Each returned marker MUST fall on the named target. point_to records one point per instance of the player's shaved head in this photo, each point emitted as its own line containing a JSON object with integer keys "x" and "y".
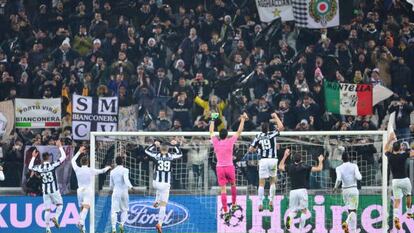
{"x": 297, "y": 158}
{"x": 396, "y": 146}
{"x": 223, "y": 134}
{"x": 265, "y": 127}
{"x": 119, "y": 160}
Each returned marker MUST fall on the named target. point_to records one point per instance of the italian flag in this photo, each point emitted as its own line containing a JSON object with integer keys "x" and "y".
{"x": 39, "y": 125}
{"x": 348, "y": 99}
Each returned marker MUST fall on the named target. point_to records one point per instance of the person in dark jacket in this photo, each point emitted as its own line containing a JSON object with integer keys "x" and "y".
{"x": 189, "y": 47}
{"x": 162, "y": 87}
{"x": 402, "y": 118}
{"x": 181, "y": 108}
{"x": 306, "y": 109}
{"x": 401, "y": 80}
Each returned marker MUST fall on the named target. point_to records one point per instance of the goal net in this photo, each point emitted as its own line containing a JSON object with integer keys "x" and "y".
{"x": 194, "y": 203}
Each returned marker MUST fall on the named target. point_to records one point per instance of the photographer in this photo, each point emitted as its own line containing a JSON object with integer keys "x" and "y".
{"x": 402, "y": 117}
{"x": 200, "y": 86}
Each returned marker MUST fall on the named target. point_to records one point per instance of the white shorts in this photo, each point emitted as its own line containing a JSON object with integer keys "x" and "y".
{"x": 351, "y": 198}
{"x": 298, "y": 199}
{"x": 84, "y": 196}
{"x": 163, "y": 191}
{"x": 120, "y": 201}
{"x": 267, "y": 168}
{"x": 401, "y": 187}
{"x": 52, "y": 198}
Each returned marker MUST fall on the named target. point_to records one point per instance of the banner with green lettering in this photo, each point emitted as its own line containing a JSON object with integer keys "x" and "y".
{"x": 348, "y": 99}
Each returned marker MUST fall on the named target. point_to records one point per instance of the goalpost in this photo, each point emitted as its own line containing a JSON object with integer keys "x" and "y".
{"x": 105, "y": 146}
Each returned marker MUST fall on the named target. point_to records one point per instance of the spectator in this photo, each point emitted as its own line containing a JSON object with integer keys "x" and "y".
{"x": 144, "y": 96}
{"x": 82, "y": 42}
{"x": 116, "y": 83}
{"x": 198, "y": 155}
{"x": 402, "y": 118}
{"x": 162, "y": 86}
{"x": 122, "y": 66}
{"x": 402, "y": 82}
{"x": 64, "y": 53}
{"x": 162, "y": 123}
{"x": 200, "y": 86}
{"x": 382, "y": 58}
{"x": 181, "y": 107}
{"x": 204, "y": 61}
{"x": 286, "y": 114}
{"x": 98, "y": 27}
{"x": 235, "y": 67}
{"x": 189, "y": 47}
{"x": 182, "y": 86}
{"x": 307, "y": 109}
{"x": 213, "y": 105}
{"x": 53, "y": 49}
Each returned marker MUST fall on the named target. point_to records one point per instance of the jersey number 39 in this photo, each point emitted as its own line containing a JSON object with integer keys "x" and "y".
{"x": 164, "y": 166}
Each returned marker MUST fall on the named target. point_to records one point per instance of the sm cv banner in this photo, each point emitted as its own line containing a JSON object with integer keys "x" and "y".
{"x": 93, "y": 114}
{"x": 325, "y": 215}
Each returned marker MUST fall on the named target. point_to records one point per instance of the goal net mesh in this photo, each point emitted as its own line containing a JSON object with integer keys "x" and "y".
{"x": 194, "y": 201}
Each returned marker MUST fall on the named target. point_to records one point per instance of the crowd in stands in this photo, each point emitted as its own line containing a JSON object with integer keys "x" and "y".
{"x": 181, "y": 60}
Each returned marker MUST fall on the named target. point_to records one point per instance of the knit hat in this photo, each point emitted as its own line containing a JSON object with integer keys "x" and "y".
{"x": 66, "y": 41}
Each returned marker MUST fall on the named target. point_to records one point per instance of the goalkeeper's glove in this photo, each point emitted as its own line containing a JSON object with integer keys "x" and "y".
{"x": 214, "y": 116}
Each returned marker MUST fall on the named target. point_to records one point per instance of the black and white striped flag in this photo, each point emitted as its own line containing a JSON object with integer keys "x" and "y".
{"x": 321, "y": 13}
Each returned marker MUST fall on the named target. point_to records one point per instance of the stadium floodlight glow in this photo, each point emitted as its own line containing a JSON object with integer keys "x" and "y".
{"x": 381, "y": 137}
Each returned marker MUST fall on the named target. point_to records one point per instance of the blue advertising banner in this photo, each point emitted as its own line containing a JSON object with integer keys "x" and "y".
{"x": 22, "y": 214}
{"x": 183, "y": 214}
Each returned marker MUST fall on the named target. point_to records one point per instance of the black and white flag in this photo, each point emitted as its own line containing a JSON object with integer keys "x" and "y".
{"x": 321, "y": 13}
{"x": 93, "y": 114}
{"x": 270, "y": 10}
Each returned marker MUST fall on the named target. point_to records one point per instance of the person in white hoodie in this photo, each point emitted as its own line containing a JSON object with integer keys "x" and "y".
{"x": 120, "y": 184}
{"x": 85, "y": 176}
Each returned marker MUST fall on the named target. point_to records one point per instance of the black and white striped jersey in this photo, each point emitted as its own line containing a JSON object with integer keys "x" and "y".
{"x": 266, "y": 144}
{"x": 163, "y": 164}
{"x": 48, "y": 174}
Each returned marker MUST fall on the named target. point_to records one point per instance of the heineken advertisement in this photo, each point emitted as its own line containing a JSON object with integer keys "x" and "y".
{"x": 326, "y": 215}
